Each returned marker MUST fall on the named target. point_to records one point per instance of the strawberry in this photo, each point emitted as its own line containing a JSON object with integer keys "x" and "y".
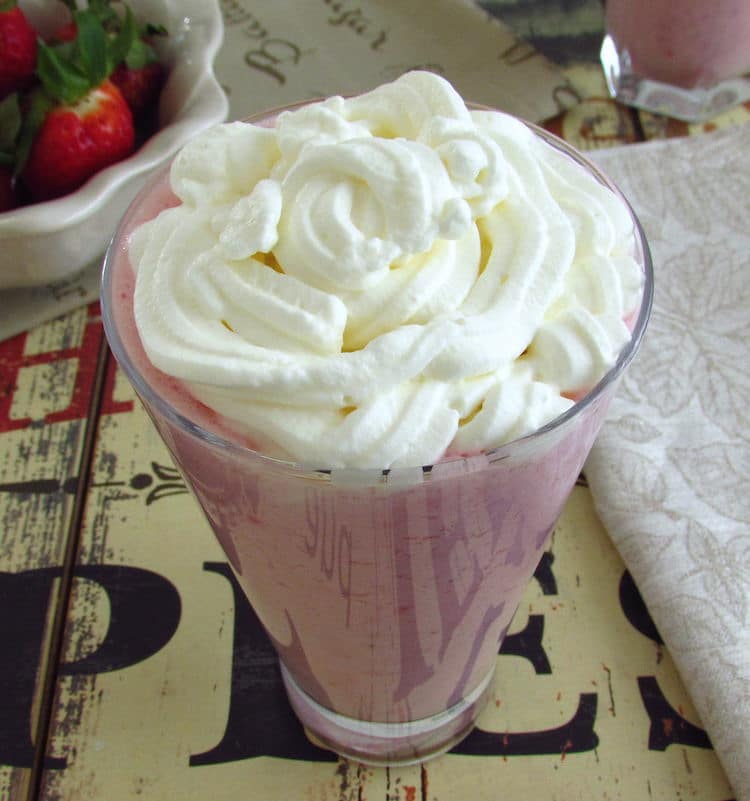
{"x": 140, "y": 75}
{"x": 18, "y": 50}
{"x": 74, "y": 120}
{"x": 65, "y": 33}
{"x": 140, "y": 86}
{"x": 77, "y": 140}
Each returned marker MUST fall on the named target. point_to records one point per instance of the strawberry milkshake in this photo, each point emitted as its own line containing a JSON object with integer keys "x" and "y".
{"x": 689, "y": 59}
{"x": 379, "y": 336}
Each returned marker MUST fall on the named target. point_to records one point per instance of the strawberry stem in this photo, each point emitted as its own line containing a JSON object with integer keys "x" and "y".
{"x": 59, "y": 76}
{"x": 123, "y": 41}
{"x": 39, "y": 104}
{"x": 10, "y": 126}
{"x": 91, "y": 44}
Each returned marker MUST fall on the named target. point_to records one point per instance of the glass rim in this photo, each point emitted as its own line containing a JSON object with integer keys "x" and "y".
{"x": 146, "y": 392}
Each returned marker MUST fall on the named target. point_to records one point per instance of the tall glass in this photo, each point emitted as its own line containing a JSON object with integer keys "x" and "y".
{"x": 689, "y": 59}
{"x": 386, "y": 593}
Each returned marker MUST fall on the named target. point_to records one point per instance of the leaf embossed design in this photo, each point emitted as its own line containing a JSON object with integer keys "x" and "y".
{"x": 719, "y": 474}
{"x": 636, "y": 429}
{"x": 722, "y": 568}
{"x": 642, "y": 478}
{"x": 700, "y": 322}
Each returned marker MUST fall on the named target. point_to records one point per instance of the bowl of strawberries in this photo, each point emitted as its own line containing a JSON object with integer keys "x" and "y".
{"x": 94, "y": 96}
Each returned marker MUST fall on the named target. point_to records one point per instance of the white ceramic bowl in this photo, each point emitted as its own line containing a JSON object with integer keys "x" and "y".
{"x": 46, "y": 242}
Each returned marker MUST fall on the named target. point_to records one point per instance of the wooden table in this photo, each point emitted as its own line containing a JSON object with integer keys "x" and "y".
{"x": 133, "y": 667}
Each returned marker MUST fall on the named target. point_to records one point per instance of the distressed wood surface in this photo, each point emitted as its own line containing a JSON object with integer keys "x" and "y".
{"x": 168, "y": 687}
{"x": 48, "y": 381}
{"x": 133, "y": 667}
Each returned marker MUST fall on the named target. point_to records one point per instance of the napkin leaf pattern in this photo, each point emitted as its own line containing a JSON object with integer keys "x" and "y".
{"x": 643, "y": 478}
{"x": 636, "y": 429}
{"x": 718, "y": 567}
{"x": 719, "y": 474}
{"x": 671, "y": 469}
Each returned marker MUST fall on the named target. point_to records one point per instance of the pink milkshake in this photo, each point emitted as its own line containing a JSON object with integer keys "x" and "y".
{"x": 688, "y": 59}
{"x": 385, "y": 588}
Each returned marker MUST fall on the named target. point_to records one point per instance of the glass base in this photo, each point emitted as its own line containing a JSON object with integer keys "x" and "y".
{"x": 691, "y": 105}
{"x": 387, "y": 743}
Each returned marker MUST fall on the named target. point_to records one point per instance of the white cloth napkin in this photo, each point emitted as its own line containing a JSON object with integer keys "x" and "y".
{"x": 670, "y": 473}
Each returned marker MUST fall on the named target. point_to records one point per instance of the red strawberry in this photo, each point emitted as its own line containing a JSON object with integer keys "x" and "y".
{"x": 75, "y": 121}
{"x": 76, "y": 140}
{"x": 17, "y": 50}
{"x": 65, "y": 33}
{"x": 140, "y": 86}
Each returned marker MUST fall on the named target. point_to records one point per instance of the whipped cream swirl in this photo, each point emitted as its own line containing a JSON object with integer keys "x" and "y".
{"x": 383, "y": 280}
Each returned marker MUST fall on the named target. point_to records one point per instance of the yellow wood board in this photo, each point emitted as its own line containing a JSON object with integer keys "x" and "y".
{"x": 46, "y": 380}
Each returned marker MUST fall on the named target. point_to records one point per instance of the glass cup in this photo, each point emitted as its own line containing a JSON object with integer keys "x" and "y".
{"x": 689, "y": 59}
{"x": 386, "y": 593}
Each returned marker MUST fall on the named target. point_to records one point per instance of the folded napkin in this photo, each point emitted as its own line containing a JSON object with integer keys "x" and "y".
{"x": 670, "y": 473}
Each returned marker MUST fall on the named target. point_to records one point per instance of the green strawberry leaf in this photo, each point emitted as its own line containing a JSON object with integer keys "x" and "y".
{"x": 121, "y": 44}
{"x": 103, "y": 11}
{"x": 61, "y": 78}
{"x": 104, "y": 40}
{"x": 7, "y": 5}
{"x": 10, "y": 123}
{"x": 39, "y": 105}
{"x": 140, "y": 54}
{"x": 65, "y": 50}
{"x": 91, "y": 47}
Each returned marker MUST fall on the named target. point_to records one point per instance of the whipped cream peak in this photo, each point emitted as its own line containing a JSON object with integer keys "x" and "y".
{"x": 352, "y": 209}
{"x": 380, "y": 280}
{"x": 403, "y": 107}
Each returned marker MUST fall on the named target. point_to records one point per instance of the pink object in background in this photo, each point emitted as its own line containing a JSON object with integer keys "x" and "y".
{"x": 689, "y": 59}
